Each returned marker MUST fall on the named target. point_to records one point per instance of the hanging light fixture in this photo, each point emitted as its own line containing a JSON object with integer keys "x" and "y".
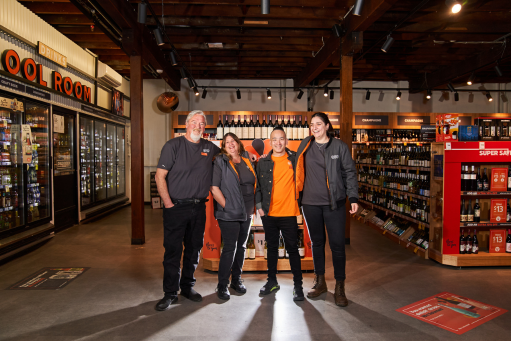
{"x": 142, "y": 12}
{"x": 196, "y": 92}
{"x": 358, "y": 8}
{"x": 326, "y": 92}
{"x": 398, "y": 95}
{"x": 456, "y": 96}
{"x": 368, "y": 94}
{"x": 190, "y": 82}
{"x": 158, "y": 37}
{"x": 238, "y": 94}
{"x": 269, "y": 94}
{"x": 489, "y": 97}
{"x": 471, "y": 78}
{"x": 450, "y": 86}
{"x": 174, "y": 62}
{"x": 387, "y": 44}
{"x": 331, "y": 95}
{"x": 454, "y": 6}
{"x": 301, "y": 93}
{"x": 265, "y": 6}
{"x": 203, "y": 96}
{"x": 429, "y": 94}
{"x": 183, "y": 73}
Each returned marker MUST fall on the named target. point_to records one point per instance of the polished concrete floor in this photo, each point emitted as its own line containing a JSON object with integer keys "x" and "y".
{"x": 114, "y": 300}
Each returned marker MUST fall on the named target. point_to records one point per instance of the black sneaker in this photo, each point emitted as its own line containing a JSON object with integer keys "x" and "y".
{"x": 238, "y": 285}
{"x": 269, "y": 287}
{"x": 223, "y": 292}
{"x": 298, "y": 294}
{"x": 191, "y": 294}
{"x": 166, "y": 302}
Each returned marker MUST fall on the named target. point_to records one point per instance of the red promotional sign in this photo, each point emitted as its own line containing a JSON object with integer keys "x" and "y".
{"x": 499, "y": 179}
{"x": 498, "y": 210}
{"x": 497, "y": 240}
{"x": 452, "y": 312}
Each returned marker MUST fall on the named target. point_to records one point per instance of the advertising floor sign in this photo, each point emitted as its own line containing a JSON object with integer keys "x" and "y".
{"x": 452, "y": 312}
{"x": 49, "y": 279}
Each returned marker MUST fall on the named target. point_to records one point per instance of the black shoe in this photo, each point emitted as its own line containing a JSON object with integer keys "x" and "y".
{"x": 298, "y": 294}
{"x": 191, "y": 294}
{"x": 269, "y": 287}
{"x": 223, "y": 292}
{"x": 238, "y": 285}
{"x": 166, "y": 302}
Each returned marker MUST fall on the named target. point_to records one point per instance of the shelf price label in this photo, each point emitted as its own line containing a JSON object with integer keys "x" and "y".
{"x": 498, "y": 210}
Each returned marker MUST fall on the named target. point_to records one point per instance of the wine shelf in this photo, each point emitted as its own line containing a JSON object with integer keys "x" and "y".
{"x": 484, "y": 224}
{"x": 395, "y": 213}
{"x": 260, "y": 264}
{"x": 395, "y": 191}
{"x": 484, "y": 194}
{"x": 422, "y": 169}
{"x": 480, "y": 259}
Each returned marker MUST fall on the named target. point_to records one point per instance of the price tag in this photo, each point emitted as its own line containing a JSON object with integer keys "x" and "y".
{"x": 384, "y": 231}
{"x": 481, "y": 145}
{"x": 416, "y": 250}
{"x": 448, "y": 146}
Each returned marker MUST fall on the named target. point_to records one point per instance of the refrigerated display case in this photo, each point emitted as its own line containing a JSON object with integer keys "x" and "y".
{"x": 100, "y": 192}
{"x": 86, "y": 160}
{"x": 120, "y": 160}
{"x": 111, "y": 161}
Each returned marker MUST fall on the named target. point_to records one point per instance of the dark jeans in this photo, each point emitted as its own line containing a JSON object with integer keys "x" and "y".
{"x": 334, "y": 221}
{"x": 288, "y": 227}
{"x": 183, "y": 226}
{"x": 234, "y": 235}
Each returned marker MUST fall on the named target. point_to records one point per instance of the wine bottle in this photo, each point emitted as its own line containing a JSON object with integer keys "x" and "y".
{"x": 277, "y": 122}
{"x": 472, "y": 177}
{"x": 470, "y": 212}
{"x": 252, "y": 247}
{"x": 463, "y": 214}
{"x": 232, "y": 126}
{"x": 305, "y": 128}
{"x": 257, "y": 128}
{"x": 508, "y": 210}
{"x": 300, "y": 129}
{"x": 475, "y": 243}
{"x": 295, "y": 130}
{"x": 469, "y": 243}
{"x": 476, "y": 210}
{"x": 270, "y": 126}
{"x": 509, "y": 182}
{"x": 281, "y": 251}
{"x": 220, "y": 129}
{"x": 264, "y": 127}
{"x": 245, "y": 129}
{"x": 479, "y": 185}
{"x": 462, "y": 241}
{"x": 238, "y": 129}
{"x": 507, "y": 245}
{"x": 485, "y": 181}
{"x": 251, "y": 129}
{"x": 462, "y": 180}
{"x": 289, "y": 129}
{"x": 265, "y": 250}
{"x": 302, "y": 250}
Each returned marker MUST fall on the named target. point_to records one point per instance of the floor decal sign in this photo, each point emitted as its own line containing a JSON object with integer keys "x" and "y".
{"x": 452, "y": 312}
{"x": 48, "y": 279}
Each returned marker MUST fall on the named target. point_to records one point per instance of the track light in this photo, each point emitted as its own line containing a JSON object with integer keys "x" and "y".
{"x": 265, "y": 6}
{"x": 269, "y": 94}
{"x": 190, "y": 82}
{"x": 338, "y": 30}
{"x": 387, "y": 44}
{"x": 471, "y": 78}
{"x": 174, "y": 62}
{"x": 456, "y": 96}
{"x": 203, "y": 96}
{"x": 454, "y": 6}
{"x": 196, "y": 92}
{"x": 142, "y": 14}
{"x": 398, "y": 95}
{"x": 238, "y": 94}
{"x": 450, "y": 86}
{"x": 368, "y": 94}
{"x": 358, "y": 8}
{"x": 331, "y": 95}
{"x": 326, "y": 92}
{"x": 489, "y": 97}
{"x": 498, "y": 70}
{"x": 158, "y": 36}
{"x": 183, "y": 73}
{"x": 299, "y": 96}
{"x": 429, "y": 94}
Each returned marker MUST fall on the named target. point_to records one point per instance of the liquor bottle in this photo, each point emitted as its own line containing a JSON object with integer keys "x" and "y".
{"x": 250, "y": 135}
{"x": 463, "y": 214}
{"x": 475, "y": 243}
{"x": 302, "y": 250}
{"x": 470, "y": 212}
{"x": 462, "y": 180}
{"x": 462, "y": 241}
{"x": 257, "y": 128}
{"x": 300, "y": 129}
{"x": 507, "y": 245}
{"x": 252, "y": 247}
{"x": 295, "y": 130}
{"x": 472, "y": 177}
{"x": 485, "y": 181}
{"x": 509, "y": 182}
{"x": 305, "y": 128}
{"x": 245, "y": 129}
{"x": 281, "y": 252}
{"x": 220, "y": 129}
{"x": 264, "y": 127}
{"x": 479, "y": 185}
{"x": 476, "y": 214}
{"x": 289, "y": 129}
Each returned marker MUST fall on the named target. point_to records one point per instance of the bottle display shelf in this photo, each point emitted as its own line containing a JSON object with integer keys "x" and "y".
{"x": 395, "y": 191}
{"x": 260, "y": 264}
{"x": 484, "y": 224}
{"x": 421, "y": 169}
{"x": 395, "y": 213}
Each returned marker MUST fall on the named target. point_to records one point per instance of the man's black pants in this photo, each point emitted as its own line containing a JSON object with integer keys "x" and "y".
{"x": 183, "y": 226}
{"x": 288, "y": 227}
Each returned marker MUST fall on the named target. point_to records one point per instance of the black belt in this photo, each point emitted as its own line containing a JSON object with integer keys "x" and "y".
{"x": 188, "y": 201}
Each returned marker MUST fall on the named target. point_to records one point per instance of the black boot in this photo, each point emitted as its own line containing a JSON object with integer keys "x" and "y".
{"x": 166, "y": 302}
{"x": 298, "y": 293}
{"x": 223, "y": 292}
{"x": 191, "y": 294}
{"x": 238, "y": 285}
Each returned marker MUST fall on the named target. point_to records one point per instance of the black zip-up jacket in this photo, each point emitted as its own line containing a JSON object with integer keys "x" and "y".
{"x": 234, "y": 209}
{"x": 265, "y": 180}
{"x": 340, "y": 168}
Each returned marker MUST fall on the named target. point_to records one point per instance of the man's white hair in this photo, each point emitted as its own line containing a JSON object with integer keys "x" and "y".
{"x": 195, "y": 112}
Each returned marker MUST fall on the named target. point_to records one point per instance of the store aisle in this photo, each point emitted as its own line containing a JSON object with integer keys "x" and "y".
{"x": 114, "y": 300}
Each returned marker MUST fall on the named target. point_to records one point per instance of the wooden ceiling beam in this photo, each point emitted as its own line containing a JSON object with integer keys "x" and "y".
{"x": 257, "y": 47}
{"x": 52, "y": 8}
{"x": 71, "y": 19}
{"x": 301, "y": 3}
{"x": 247, "y": 40}
{"x": 237, "y": 22}
{"x": 247, "y": 32}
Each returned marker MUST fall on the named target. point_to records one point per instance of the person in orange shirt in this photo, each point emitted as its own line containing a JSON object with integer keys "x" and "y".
{"x": 278, "y": 208}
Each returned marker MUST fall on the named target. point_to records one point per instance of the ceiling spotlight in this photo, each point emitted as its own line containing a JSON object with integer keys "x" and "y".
{"x": 183, "y": 73}
{"x": 358, "y": 8}
{"x": 203, "y": 96}
{"x": 498, "y": 70}
{"x": 174, "y": 62}
{"x": 238, "y": 94}
{"x": 299, "y": 96}
{"x": 142, "y": 15}
{"x": 265, "y": 6}
{"x": 429, "y": 94}
{"x": 398, "y": 95}
{"x": 338, "y": 30}
{"x": 196, "y": 92}
{"x": 454, "y": 5}
{"x": 387, "y": 44}
{"x": 158, "y": 36}
{"x": 269, "y": 94}
{"x": 489, "y": 97}
{"x": 190, "y": 82}
{"x": 159, "y": 71}
{"x": 331, "y": 95}
{"x": 368, "y": 94}
{"x": 326, "y": 92}
{"x": 471, "y": 78}
{"x": 456, "y": 96}
{"x": 450, "y": 86}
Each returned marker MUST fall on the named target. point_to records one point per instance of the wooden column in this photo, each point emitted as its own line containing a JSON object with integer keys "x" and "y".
{"x": 137, "y": 152}
{"x": 346, "y": 118}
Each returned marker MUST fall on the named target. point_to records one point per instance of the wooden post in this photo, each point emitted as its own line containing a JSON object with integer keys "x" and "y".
{"x": 346, "y": 118}
{"x": 137, "y": 153}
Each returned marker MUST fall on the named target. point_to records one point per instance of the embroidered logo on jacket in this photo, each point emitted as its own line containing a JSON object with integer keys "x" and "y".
{"x": 334, "y": 157}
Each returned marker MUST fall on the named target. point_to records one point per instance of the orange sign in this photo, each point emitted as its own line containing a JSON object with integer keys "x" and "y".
{"x": 499, "y": 179}
{"x": 498, "y": 210}
{"x": 52, "y": 55}
{"x": 497, "y": 240}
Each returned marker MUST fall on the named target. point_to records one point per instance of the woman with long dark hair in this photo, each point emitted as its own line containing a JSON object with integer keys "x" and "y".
{"x": 233, "y": 186}
{"x": 325, "y": 177}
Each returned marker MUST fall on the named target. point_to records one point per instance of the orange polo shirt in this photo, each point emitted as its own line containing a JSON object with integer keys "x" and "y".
{"x": 283, "y": 202}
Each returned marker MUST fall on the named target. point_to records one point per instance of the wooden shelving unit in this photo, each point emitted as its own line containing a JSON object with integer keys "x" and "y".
{"x": 480, "y": 259}
{"x": 395, "y": 191}
{"x": 260, "y": 264}
{"x": 421, "y": 169}
{"x": 395, "y": 213}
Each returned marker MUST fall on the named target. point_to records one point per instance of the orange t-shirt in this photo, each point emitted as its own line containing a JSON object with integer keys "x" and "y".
{"x": 283, "y": 202}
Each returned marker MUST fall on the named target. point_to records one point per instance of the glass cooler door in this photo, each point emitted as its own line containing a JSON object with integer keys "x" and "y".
{"x": 86, "y": 161}
{"x": 120, "y": 160}
{"x": 100, "y": 169}
{"x": 111, "y": 160}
